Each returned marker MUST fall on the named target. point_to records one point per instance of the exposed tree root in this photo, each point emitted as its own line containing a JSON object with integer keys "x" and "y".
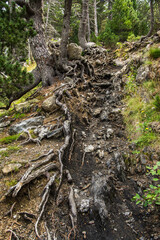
{"x": 67, "y": 134}
{"x": 30, "y": 139}
{"x": 46, "y": 193}
{"x": 42, "y": 156}
{"x": 72, "y": 145}
{"x": 32, "y": 173}
{"x": 10, "y": 210}
{"x": 13, "y": 235}
{"x": 73, "y": 214}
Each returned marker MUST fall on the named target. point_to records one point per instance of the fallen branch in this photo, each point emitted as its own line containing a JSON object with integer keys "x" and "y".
{"x": 46, "y": 193}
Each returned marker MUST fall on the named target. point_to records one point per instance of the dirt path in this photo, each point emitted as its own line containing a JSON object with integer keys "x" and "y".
{"x": 103, "y": 185}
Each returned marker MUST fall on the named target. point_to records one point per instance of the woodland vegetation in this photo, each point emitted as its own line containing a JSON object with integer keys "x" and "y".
{"x": 27, "y": 26}
{"x": 95, "y": 119}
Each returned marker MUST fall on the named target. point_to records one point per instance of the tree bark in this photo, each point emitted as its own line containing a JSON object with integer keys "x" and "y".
{"x": 95, "y": 19}
{"x": 66, "y": 28}
{"x": 38, "y": 45}
{"x": 83, "y": 24}
{"x": 88, "y": 25}
{"x": 152, "y": 19}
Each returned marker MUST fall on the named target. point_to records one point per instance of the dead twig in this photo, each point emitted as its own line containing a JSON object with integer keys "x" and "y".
{"x": 83, "y": 157}
{"x": 10, "y": 212}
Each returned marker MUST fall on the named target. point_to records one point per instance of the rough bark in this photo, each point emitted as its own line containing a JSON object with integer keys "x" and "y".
{"x": 152, "y": 19}
{"x": 83, "y": 24}
{"x": 66, "y": 28}
{"x": 88, "y": 25}
{"x": 38, "y": 45}
{"x": 95, "y": 19}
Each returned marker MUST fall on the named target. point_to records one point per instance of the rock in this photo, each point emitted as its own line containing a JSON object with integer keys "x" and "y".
{"x": 26, "y": 124}
{"x": 158, "y": 33}
{"x": 103, "y": 192}
{"x": 90, "y": 44}
{"x": 104, "y": 115}
{"x": 100, "y": 153}
{"x": 89, "y": 148}
{"x": 97, "y": 112}
{"x": 82, "y": 201}
{"x": 25, "y": 106}
{"x": 49, "y": 104}
{"x": 74, "y": 51}
{"x": 98, "y": 62}
{"x": 109, "y": 132}
{"x": 5, "y": 124}
{"x": 11, "y": 168}
{"x": 142, "y": 74}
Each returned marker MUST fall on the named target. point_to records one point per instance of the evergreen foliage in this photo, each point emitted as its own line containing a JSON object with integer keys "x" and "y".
{"x": 15, "y": 31}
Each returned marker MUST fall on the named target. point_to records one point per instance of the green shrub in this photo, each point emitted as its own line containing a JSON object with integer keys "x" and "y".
{"x": 154, "y": 53}
{"x": 151, "y": 196}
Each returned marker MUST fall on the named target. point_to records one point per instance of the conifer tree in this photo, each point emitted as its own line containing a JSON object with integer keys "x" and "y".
{"x": 15, "y": 31}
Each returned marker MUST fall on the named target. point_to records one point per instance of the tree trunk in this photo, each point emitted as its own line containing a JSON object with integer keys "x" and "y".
{"x": 38, "y": 45}
{"x": 83, "y": 24}
{"x": 95, "y": 19}
{"x": 152, "y": 19}
{"x": 47, "y": 17}
{"x": 66, "y": 28}
{"x": 88, "y": 25}
{"x": 110, "y": 8}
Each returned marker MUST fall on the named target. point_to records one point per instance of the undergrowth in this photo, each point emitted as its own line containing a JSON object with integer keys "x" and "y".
{"x": 9, "y": 139}
{"x": 142, "y": 108}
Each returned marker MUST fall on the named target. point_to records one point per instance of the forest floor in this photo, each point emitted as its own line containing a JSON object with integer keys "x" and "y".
{"x": 99, "y": 159}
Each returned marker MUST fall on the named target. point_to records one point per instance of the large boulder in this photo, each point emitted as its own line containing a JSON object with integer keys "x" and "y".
{"x": 26, "y": 124}
{"x": 49, "y": 105}
{"x": 74, "y": 51}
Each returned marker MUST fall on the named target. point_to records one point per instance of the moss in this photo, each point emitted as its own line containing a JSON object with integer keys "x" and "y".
{"x": 9, "y": 139}
{"x": 11, "y": 183}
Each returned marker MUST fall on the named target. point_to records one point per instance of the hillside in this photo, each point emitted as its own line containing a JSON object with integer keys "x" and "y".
{"x": 73, "y": 155}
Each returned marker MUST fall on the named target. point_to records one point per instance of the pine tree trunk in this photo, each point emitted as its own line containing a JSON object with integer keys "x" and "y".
{"x": 66, "y": 28}
{"x": 88, "y": 25}
{"x": 47, "y": 17}
{"x": 152, "y": 19}
{"x": 83, "y": 24}
{"x": 38, "y": 45}
{"x": 95, "y": 19}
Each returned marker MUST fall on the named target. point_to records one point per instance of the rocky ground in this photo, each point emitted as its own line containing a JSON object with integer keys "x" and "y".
{"x": 93, "y": 200}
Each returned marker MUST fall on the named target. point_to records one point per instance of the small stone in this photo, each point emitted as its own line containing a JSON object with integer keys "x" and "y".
{"x": 104, "y": 115}
{"x": 100, "y": 153}
{"x": 98, "y": 62}
{"x": 109, "y": 132}
{"x": 97, "y": 112}
{"x": 89, "y": 148}
{"x": 91, "y": 222}
{"x": 49, "y": 104}
{"x": 11, "y": 168}
{"x": 84, "y": 206}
